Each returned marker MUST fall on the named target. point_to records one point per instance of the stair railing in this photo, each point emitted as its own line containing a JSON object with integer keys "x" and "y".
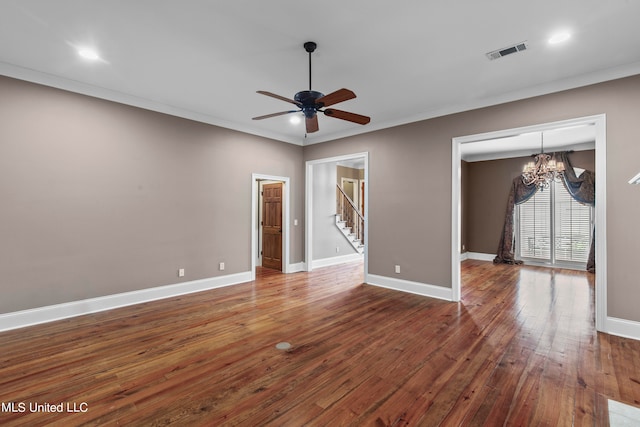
{"x": 350, "y": 213}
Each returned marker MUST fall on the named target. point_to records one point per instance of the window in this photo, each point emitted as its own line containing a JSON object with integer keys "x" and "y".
{"x": 553, "y": 228}
{"x": 534, "y": 226}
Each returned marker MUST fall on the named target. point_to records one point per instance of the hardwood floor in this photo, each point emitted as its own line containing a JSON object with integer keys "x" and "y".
{"x": 520, "y": 349}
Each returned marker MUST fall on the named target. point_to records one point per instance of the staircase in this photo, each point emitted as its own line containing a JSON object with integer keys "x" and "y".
{"x": 349, "y": 220}
{"x": 351, "y": 237}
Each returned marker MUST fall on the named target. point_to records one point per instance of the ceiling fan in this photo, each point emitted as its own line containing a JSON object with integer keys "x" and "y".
{"x": 310, "y": 102}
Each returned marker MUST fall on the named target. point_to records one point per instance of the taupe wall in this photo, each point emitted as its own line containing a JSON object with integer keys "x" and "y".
{"x": 345, "y": 172}
{"x": 487, "y": 189}
{"x": 409, "y": 199}
{"x": 411, "y": 225}
{"x": 100, "y": 198}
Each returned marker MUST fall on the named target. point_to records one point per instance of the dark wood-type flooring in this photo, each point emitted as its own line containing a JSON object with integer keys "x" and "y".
{"x": 520, "y": 349}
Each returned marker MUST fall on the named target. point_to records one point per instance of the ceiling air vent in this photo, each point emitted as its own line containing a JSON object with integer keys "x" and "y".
{"x": 507, "y": 51}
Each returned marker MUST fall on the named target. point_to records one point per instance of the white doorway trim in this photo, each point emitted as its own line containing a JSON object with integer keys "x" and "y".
{"x": 255, "y": 193}
{"x": 259, "y": 218}
{"x": 308, "y": 226}
{"x": 599, "y": 121}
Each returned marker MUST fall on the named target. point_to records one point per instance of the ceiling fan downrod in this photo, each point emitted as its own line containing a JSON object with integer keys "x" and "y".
{"x": 310, "y": 47}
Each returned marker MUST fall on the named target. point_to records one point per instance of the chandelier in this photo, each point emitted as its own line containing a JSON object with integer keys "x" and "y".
{"x": 542, "y": 170}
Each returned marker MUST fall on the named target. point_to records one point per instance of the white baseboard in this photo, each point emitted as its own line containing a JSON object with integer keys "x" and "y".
{"x": 623, "y": 328}
{"x": 297, "y": 267}
{"x": 326, "y": 262}
{"x": 480, "y": 256}
{"x": 418, "y": 288}
{"x": 21, "y": 319}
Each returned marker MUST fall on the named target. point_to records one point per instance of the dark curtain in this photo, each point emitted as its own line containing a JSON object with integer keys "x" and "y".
{"x": 519, "y": 193}
{"x": 581, "y": 188}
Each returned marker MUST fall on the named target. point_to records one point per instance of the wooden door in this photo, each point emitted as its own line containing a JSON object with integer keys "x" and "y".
{"x": 272, "y": 226}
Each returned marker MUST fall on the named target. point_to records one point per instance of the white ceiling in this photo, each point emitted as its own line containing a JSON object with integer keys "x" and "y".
{"x": 575, "y": 138}
{"x": 406, "y": 61}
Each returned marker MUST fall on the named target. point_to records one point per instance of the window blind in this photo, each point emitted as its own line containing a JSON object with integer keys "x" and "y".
{"x": 572, "y": 223}
{"x": 535, "y": 226}
{"x": 553, "y": 216}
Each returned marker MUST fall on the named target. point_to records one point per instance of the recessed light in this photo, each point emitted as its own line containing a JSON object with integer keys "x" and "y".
{"x": 88, "y": 53}
{"x": 560, "y": 37}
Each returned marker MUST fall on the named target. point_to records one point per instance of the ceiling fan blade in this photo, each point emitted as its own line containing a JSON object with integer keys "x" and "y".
{"x": 339, "y": 95}
{"x": 345, "y": 115}
{"x": 281, "y": 113}
{"x": 312, "y": 123}
{"x": 282, "y": 98}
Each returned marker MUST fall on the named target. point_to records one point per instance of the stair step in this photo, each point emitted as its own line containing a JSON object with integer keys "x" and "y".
{"x": 351, "y": 237}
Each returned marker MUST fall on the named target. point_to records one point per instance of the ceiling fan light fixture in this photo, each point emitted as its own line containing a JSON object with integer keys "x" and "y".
{"x": 294, "y": 120}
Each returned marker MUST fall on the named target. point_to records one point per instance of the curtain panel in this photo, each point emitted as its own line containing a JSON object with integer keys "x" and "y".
{"x": 519, "y": 193}
{"x": 583, "y": 189}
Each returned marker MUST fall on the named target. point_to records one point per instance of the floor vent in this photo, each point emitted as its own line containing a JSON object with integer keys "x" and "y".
{"x": 507, "y": 51}
{"x": 283, "y": 345}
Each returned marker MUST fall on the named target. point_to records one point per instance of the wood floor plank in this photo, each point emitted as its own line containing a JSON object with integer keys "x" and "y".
{"x": 519, "y": 349}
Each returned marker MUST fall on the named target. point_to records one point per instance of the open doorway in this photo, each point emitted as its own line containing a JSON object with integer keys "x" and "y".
{"x": 598, "y": 124}
{"x": 270, "y": 223}
{"x": 325, "y": 184}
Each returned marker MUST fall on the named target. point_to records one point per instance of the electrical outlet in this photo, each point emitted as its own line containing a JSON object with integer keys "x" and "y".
{"x": 397, "y": 269}
{"x": 463, "y": 247}
{"x": 181, "y": 272}
{"x": 295, "y": 222}
{"x": 221, "y": 266}
{"x": 337, "y": 249}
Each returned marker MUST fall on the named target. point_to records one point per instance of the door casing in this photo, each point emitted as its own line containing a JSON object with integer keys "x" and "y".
{"x": 600, "y": 217}
{"x": 309, "y": 206}
{"x": 286, "y": 231}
